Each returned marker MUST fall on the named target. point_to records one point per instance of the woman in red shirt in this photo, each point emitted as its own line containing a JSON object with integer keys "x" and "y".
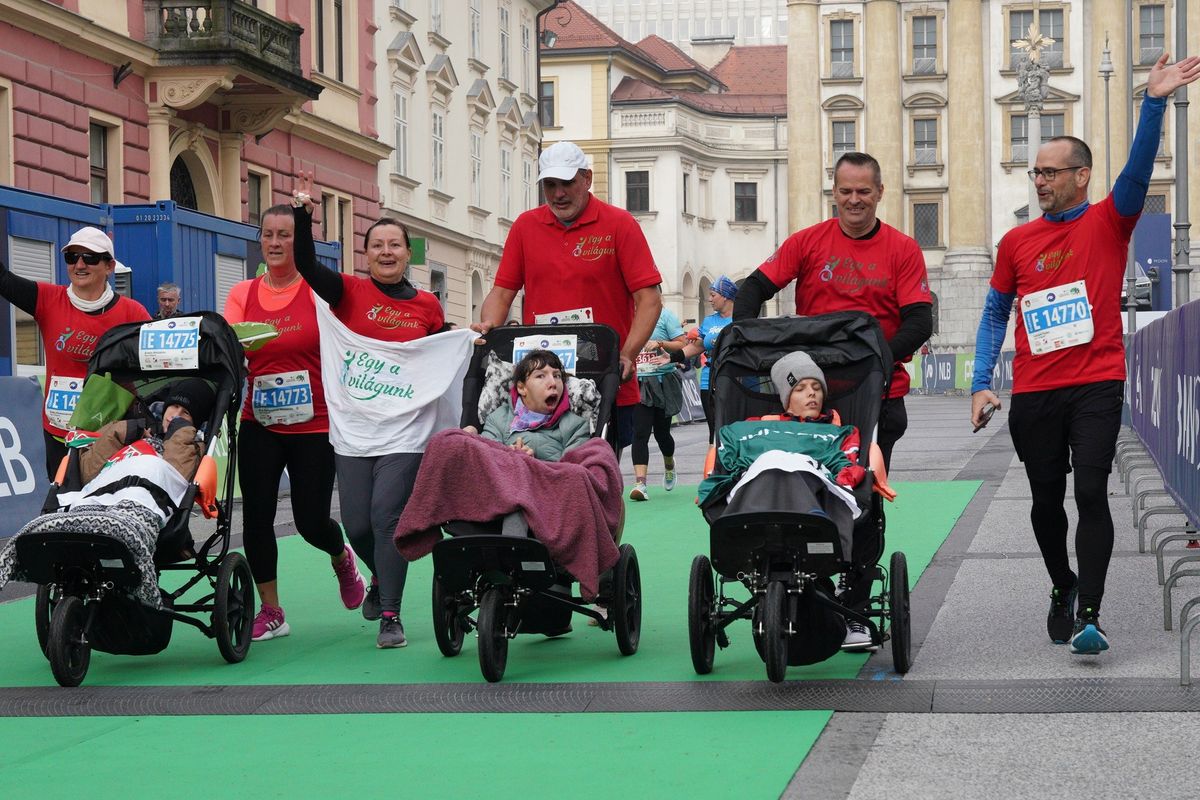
{"x": 71, "y": 320}
{"x": 373, "y": 489}
{"x": 285, "y": 424}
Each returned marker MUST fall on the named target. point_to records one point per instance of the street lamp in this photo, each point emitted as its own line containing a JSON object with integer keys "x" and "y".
{"x": 1106, "y": 72}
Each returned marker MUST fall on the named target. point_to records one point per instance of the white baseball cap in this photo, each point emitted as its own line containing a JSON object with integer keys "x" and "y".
{"x": 93, "y": 240}
{"x": 561, "y": 161}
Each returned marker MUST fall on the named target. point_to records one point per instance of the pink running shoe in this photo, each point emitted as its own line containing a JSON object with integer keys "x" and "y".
{"x": 269, "y": 624}
{"x": 350, "y": 582}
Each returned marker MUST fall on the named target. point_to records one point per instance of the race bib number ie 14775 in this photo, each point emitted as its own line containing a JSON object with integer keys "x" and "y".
{"x": 170, "y": 344}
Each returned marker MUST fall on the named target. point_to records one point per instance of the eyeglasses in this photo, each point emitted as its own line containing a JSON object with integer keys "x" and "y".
{"x": 91, "y": 259}
{"x": 1050, "y": 172}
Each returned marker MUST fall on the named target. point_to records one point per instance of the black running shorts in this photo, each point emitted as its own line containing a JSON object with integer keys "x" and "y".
{"x": 1075, "y": 426}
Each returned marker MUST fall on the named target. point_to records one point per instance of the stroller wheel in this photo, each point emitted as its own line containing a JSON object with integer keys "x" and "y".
{"x": 446, "y": 627}
{"x": 775, "y": 636}
{"x": 493, "y": 634}
{"x": 70, "y": 654}
{"x": 42, "y": 611}
{"x": 233, "y": 609}
{"x": 901, "y": 620}
{"x": 701, "y": 634}
{"x": 626, "y": 605}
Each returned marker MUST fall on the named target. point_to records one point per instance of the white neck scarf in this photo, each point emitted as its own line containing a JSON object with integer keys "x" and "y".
{"x": 88, "y": 306}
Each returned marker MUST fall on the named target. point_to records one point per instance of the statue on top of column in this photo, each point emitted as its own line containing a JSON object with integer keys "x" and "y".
{"x": 1033, "y": 77}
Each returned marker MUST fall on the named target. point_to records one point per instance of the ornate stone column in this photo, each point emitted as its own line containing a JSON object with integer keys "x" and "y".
{"x": 884, "y": 115}
{"x": 160, "y": 152}
{"x": 961, "y": 282}
{"x": 231, "y": 176}
{"x": 804, "y": 115}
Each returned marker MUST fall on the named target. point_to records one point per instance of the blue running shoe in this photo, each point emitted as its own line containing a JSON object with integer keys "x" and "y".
{"x": 1060, "y": 622}
{"x": 1088, "y": 638}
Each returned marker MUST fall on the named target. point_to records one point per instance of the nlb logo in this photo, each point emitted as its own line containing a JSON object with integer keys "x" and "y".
{"x": 1187, "y": 418}
{"x": 17, "y": 477}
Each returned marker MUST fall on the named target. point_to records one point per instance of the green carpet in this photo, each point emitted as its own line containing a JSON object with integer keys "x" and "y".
{"x": 499, "y": 756}
{"x": 329, "y": 645}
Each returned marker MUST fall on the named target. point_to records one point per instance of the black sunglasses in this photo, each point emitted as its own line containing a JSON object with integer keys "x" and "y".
{"x": 91, "y": 259}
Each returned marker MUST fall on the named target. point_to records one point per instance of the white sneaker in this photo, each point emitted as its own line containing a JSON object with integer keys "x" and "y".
{"x": 858, "y": 637}
{"x": 639, "y": 492}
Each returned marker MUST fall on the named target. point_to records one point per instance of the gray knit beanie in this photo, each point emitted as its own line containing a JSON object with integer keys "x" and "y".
{"x": 793, "y": 368}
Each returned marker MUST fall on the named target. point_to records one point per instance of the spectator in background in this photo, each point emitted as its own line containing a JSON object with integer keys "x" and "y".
{"x": 168, "y": 301}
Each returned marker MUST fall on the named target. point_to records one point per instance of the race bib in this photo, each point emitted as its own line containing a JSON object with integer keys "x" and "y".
{"x": 61, "y": 396}
{"x": 1057, "y": 318}
{"x": 285, "y": 398}
{"x": 565, "y": 347}
{"x": 170, "y": 344}
{"x": 572, "y": 317}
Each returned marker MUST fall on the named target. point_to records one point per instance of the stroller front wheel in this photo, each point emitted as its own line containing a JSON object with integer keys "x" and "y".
{"x": 233, "y": 608}
{"x": 627, "y": 601}
{"x": 901, "y": 618}
{"x": 493, "y": 634}
{"x": 701, "y": 633}
{"x": 775, "y": 631}
{"x": 70, "y": 654}
{"x": 447, "y": 629}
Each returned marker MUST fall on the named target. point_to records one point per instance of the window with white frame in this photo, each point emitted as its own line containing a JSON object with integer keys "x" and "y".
{"x": 401, "y": 122}
{"x": 1052, "y": 125}
{"x": 438, "y": 154}
{"x": 506, "y": 183}
{"x": 6, "y": 132}
{"x": 1051, "y": 22}
{"x": 527, "y": 194}
{"x": 476, "y": 169}
{"x": 745, "y": 201}
{"x": 98, "y": 161}
{"x": 637, "y": 190}
{"x": 924, "y": 45}
{"x": 526, "y": 56}
{"x": 1152, "y": 33}
{"x": 475, "y": 28}
{"x": 925, "y": 141}
{"x": 841, "y": 48}
{"x": 687, "y": 183}
{"x": 844, "y": 137}
{"x": 258, "y": 196}
{"x": 705, "y": 198}
{"x": 546, "y": 104}
{"x": 435, "y": 16}
{"x": 505, "y": 72}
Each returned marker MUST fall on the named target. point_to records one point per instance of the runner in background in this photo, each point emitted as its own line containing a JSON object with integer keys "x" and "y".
{"x": 721, "y": 296}
{"x": 661, "y": 388}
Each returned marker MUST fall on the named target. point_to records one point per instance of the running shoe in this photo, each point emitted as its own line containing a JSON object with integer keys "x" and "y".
{"x": 639, "y": 492}
{"x": 858, "y": 637}
{"x": 371, "y": 609}
{"x": 269, "y": 624}
{"x": 350, "y": 582}
{"x": 669, "y": 480}
{"x": 391, "y": 632}
{"x": 1060, "y": 622}
{"x": 1088, "y": 638}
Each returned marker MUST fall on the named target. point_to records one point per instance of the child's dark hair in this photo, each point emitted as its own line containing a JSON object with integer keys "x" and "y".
{"x": 535, "y": 360}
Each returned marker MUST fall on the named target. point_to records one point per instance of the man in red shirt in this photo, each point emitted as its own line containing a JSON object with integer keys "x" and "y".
{"x": 1065, "y": 269}
{"x": 577, "y": 252}
{"x": 855, "y": 263}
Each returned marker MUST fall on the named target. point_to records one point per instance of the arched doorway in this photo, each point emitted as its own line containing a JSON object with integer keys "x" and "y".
{"x": 703, "y": 309}
{"x": 183, "y": 189}
{"x": 476, "y": 295}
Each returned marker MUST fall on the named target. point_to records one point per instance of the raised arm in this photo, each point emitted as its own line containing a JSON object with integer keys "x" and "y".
{"x": 21, "y": 292}
{"x": 325, "y": 282}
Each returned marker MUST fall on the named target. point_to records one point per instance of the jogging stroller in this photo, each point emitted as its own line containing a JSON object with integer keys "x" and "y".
{"x": 86, "y": 597}
{"x": 512, "y": 581}
{"x": 784, "y": 553}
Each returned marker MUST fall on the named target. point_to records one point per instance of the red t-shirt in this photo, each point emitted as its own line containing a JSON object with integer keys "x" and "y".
{"x": 597, "y": 263}
{"x": 298, "y": 347}
{"x": 369, "y": 312}
{"x": 70, "y": 337}
{"x": 1040, "y": 255}
{"x": 833, "y": 272}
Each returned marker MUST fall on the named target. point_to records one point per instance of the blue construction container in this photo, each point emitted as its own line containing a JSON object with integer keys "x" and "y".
{"x": 204, "y": 255}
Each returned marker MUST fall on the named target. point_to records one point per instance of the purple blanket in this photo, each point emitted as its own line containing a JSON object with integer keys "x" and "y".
{"x": 572, "y": 506}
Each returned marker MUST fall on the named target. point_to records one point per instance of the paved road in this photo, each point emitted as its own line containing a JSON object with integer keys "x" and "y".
{"x": 991, "y": 707}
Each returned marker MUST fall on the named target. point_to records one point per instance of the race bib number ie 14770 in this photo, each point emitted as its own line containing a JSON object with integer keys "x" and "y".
{"x": 1057, "y": 318}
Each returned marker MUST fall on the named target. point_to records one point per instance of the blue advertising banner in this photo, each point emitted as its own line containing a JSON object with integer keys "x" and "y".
{"x": 1153, "y": 242}
{"x": 938, "y": 371}
{"x": 1164, "y": 401}
{"x": 23, "y": 484}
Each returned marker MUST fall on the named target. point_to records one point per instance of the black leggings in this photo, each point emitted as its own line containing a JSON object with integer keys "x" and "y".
{"x": 706, "y": 403}
{"x": 649, "y": 420}
{"x": 262, "y": 456}
{"x": 56, "y": 451}
{"x": 1093, "y": 537}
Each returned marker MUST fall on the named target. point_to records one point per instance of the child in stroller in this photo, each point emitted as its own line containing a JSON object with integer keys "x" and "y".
{"x": 538, "y": 419}
{"x": 791, "y": 504}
